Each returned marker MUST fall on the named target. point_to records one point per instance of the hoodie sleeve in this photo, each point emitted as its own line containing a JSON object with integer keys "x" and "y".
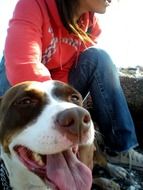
{"x": 23, "y": 46}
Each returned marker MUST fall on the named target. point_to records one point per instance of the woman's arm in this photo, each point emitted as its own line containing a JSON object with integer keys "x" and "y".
{"x": 23, "y": 47}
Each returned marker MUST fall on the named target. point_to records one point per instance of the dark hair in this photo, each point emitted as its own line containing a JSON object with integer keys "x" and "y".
{"x": 67, "y": 10}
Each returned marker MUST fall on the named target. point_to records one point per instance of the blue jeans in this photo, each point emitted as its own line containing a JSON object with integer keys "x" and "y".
{"x": 4, "y": 84}
{"x": 96, "y": 73}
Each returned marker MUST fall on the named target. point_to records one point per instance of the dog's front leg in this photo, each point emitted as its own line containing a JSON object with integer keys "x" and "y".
{"x": 86, "y": 154}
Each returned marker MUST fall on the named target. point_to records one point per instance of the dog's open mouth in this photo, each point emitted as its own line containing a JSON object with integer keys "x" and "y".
{"x": 61, "y": 171}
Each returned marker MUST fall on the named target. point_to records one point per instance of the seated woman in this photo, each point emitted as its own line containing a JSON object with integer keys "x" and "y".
{"x": 56, "y": 39}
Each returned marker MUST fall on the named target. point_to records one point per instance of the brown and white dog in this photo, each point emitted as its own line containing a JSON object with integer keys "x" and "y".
{"x": 41, "y": 127}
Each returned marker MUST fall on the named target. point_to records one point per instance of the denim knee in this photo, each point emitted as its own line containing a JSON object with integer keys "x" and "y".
{"x": 96, "y": 56}
{"x": 92, "y": 62}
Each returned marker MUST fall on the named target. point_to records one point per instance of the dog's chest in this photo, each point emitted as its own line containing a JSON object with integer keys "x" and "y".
{"x": 4, "y": 180}
{"x": 5, "y": 183}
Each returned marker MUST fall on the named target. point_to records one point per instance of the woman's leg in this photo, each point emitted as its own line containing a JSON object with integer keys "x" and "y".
{"x": 96, "y": 73}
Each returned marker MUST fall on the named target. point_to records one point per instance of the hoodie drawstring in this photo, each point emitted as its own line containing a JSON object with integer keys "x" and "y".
{"x": 60, "y": 49}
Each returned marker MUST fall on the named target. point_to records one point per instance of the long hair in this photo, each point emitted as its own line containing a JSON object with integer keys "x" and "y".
{"x": 67, "y": 10}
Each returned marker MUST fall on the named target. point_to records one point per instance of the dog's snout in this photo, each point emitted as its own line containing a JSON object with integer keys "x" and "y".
{"x": 75, "y": 120}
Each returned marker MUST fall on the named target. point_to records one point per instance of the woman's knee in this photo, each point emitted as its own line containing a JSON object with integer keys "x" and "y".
{"x": 97, "y": 58}
{"x": 94, "y": 52}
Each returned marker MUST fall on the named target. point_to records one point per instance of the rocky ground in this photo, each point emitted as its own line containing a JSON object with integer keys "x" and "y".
{"x": 133, "y": 181}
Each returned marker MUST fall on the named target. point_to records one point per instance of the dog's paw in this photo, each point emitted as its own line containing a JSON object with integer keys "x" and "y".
{"x": 116, "y": 171}
{"x": 106, "y": 184}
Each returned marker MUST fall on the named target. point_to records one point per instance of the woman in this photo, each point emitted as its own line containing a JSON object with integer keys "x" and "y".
{"x": 56, "y": 39}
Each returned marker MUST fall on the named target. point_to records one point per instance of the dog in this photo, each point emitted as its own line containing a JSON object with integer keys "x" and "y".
{"x": 47, "y": 139}
{"x": 44, "y": 134}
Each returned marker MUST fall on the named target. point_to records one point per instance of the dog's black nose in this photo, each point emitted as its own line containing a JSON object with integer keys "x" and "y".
{"x": 75, "y": 120}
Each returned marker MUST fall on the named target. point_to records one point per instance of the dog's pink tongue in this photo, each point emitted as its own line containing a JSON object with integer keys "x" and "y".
{"x": 65, "y": 171}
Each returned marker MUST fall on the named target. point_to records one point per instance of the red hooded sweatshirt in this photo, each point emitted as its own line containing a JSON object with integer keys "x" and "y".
{"x": 38, "y": 47}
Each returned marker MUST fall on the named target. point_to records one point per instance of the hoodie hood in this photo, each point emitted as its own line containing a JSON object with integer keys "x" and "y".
{"x": 59, "y": 28}
{"x": 53, "y": 11}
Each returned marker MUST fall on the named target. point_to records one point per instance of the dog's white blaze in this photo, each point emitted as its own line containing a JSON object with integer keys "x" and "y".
{"x": 46, "y": 86}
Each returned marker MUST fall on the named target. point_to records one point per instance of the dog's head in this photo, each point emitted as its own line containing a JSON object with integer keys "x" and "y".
{"x": 41, "y": 127}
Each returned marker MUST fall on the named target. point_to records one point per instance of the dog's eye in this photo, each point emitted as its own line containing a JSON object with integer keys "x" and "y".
{"x": 74, "y": 98}
{"x": 26, "y": 101}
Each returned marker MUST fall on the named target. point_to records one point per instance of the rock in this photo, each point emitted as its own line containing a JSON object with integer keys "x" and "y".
{"x": 132, "y": 84}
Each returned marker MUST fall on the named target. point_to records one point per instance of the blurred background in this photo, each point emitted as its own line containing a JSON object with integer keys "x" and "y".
{"x": 122, "y": 30}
